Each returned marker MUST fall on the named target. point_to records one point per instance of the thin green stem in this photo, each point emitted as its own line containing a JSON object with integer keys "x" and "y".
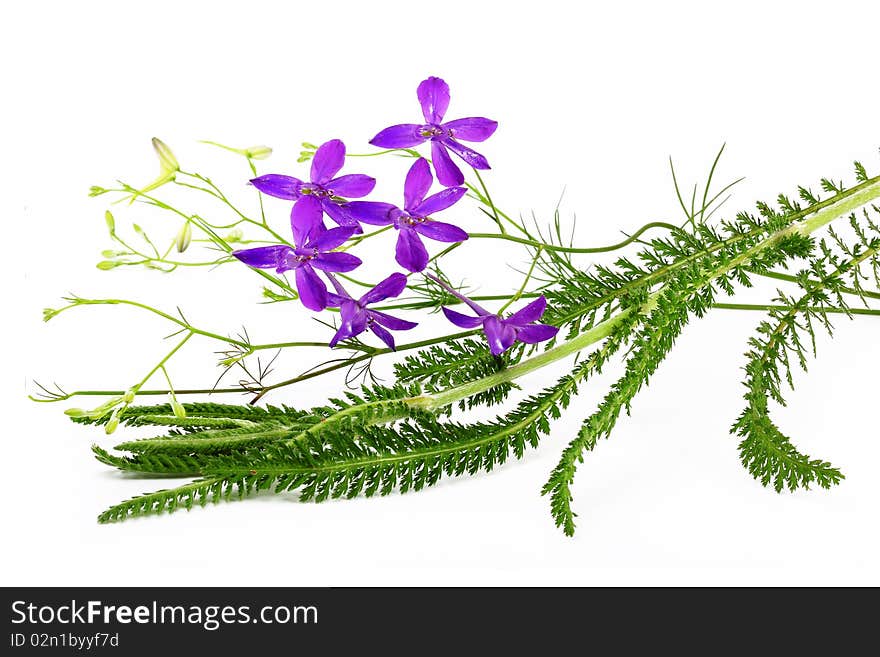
{"x": 572, "y": 249}
{"x": 794, "y": 279}
{"x": 161, "y": 363}
{"x": 813, "y": 309}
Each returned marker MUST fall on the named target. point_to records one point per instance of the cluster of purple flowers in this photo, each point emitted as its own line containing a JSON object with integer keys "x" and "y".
{"x": 316, "y": 248}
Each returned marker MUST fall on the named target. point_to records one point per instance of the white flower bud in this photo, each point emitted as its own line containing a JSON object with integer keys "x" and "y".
{"x": 167, "y": 162}
{"x": 184, "y": 237}
{"x": 258, "y": 152}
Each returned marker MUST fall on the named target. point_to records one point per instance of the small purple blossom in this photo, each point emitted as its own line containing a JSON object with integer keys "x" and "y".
{"x": 500, "y": 332}
{"x": 322, "y": 185}
{"x": 414, "y": 221}
{"x": 355, "y": 317}
{"x": 313, "y": 249}
{"x": 433, "y": 95}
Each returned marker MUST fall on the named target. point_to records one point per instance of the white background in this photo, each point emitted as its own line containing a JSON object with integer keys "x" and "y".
{"x": 592, "y": 99}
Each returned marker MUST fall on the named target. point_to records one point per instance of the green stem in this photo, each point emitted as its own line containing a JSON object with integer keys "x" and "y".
{"x": 794, "y": 279}
{"x": 572, "y": 249}
{"x": 813, "y": 309}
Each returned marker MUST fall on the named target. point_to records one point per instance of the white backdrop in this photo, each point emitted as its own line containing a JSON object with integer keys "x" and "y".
{"x": 592, "y": 99}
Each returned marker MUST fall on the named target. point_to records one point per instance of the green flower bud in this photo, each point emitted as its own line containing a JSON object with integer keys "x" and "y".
{"x": 235, "y": 235}
{"x": 49, "y": 313}
{"x": 76, "y": 412}
{"x": 167, "y": 162}
{"x": 258, "y": 152}
{"x": 138, "y": 229}
{"x": 111, "y": 223}
{"x": 128, "y": 397}
{"x": 179, "y": 410}
{"x": 309, "y": 146}
{"x": 107, "y": 265}
{"x": 112, "y": 424}
{"x": 94, "y": 190}
{"x": 184, "y": 237}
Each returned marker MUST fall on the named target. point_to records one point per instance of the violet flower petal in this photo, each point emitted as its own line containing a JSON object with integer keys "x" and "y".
{"x": 330, "y": 239}
{"x": 312, "y": 291}
{"x": 353, "y": 320}
{"x": 418, "y": 182}
{"x": 463, "y": 321}
{"x": 383, "y": 335}
{"x": 499, "y": 335}
{"x": 394, "y": 323}
{"x": 448, "y": 174}
{"x": 352, "y": 185}
{"x": 403, "y": 135}
{"x": 305, "y": 219}
{"x": 340, "y": 214}
{"x": 433, "y": 95}
{"x": 437, "y": 230}
{"x": 265, "y": 257}
{"x": 469, "y": 155}
{"x": 390, "y": 287}
{"x": 410, "y": 252}
{"x": 274, "y": 184}
{"x": 529, "y": 313}
{"x": 328, "y": 160}
{"x": 439, "y": 201}
{"x": 336, "y": 262}
{"x": 371, "y": 212}
{"x": 534, "y": 333}
{"x": 474, "y": 128}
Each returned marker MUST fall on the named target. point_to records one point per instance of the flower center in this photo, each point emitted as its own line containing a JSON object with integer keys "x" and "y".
{"x": 411, "y": 220}
{"x": 432, "y": 131}
{"x": 318, "y": 191}
{"x": 305, "y": 257}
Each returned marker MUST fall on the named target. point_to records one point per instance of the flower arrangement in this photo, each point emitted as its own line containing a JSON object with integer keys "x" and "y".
{"x": 409, "y": 434}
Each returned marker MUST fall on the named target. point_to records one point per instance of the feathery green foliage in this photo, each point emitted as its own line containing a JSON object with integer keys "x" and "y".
{"x": 405, "y": 436}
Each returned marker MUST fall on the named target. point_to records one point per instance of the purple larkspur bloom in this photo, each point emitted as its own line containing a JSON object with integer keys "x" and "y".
{"x": 433, "y": 95}
{"x": 414, "y": 221}
{"x": 313, "y": 249}
{"x": 355, "y": 317}
{"x": 500, "y": 332}
{"x": 329, "y": 190}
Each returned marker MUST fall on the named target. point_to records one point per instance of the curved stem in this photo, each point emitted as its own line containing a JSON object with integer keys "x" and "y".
{"x": 572, "y": 249}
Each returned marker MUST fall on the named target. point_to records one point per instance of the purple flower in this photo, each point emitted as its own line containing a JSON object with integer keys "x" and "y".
{"x": 434, "y": 96}
{"x": 500, "y": 332}
{"x": 326, "y": 163}
{"x": 355, "y": 317}
{"x": 414, "y": 221}
{"x": 313, "y": 249}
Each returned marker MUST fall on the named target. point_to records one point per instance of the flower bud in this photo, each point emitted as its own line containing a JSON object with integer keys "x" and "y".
{"x": 94, "y": 190}
{"x": 138, "y": 229}
{"x": 49, "y": 313}
{"x": 107, "y": 265}
{"x": 112, "y": 424}
{"x": 235, "y": 235}
{"x": 184, "y": 237}
{"x": 167, "y": 161}
{"x": 179, "y": 410}
{"x": 128, "y": 397}
{"x": 111, "y": 223}
{"x": 258, "y": 152}
{"x": 76, "y": 412}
